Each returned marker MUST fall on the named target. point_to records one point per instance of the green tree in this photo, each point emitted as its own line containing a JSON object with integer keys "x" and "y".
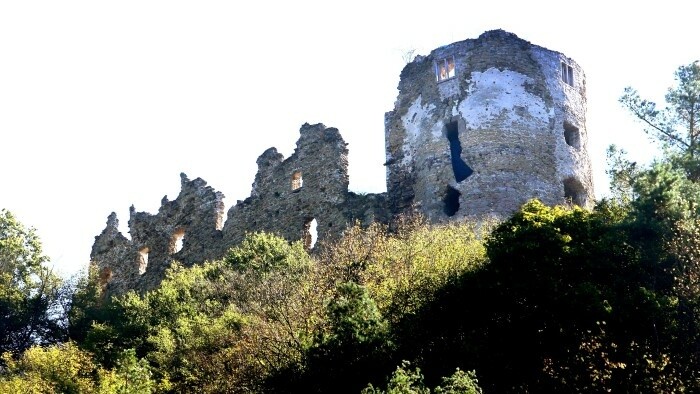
{"x": 403, "y": 381}
{"x": 351, "y": 348}
{"x": 677, "y": 126}
{"x": 30, "y": 294}
{"x": 87, "y": 305}
{"x": 220, "y": 326}
{"x": 182, "y": 328}
{"x": 622, "y": 174}
{"x": 666, "y": 206}
{"x": 524, "y": 320}
{"x": 371, "y": 279}
{"x": 410, "y": 381}
{"x": 353, "y": 317}
{"x": 67, "y": 369}
{"x": 57, "y": 368}
{"x": 460, "y": 382}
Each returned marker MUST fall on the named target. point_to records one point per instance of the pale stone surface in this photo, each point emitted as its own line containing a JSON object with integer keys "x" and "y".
{"x": 516, "y": 131}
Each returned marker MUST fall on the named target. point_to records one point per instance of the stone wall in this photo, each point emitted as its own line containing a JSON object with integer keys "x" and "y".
{"x": 311, "y": 184}
{"x": 288, "y": 195}
{"x": 504, "y": 122}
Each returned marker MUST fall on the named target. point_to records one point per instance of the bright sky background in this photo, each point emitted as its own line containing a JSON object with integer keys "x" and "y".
{"x": 104, "y": 103}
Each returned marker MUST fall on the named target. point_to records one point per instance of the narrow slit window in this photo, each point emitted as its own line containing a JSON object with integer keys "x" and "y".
{"x": 445, "y": 68}
{"x": 567, "y": 74}
{"x": 297, "y": 180}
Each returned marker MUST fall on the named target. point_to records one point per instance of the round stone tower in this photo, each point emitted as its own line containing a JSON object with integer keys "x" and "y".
{"x": 481, "y": 126}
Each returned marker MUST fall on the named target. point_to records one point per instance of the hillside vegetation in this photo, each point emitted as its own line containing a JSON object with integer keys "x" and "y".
{"x": 554, "y": 299}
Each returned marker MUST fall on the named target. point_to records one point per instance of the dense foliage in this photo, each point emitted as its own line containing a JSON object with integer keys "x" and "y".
{"x": 268, "y": 317}
{"x": 29, "y": 292}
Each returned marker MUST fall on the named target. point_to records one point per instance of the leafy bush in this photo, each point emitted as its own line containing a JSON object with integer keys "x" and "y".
{"x": 67, "y": 369}
{"x": 410, "y": 381}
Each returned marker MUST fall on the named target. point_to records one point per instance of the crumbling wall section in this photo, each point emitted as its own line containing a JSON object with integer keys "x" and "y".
{"x": 287, "y": 196}
{"x": 311, "y": 184}
{"x": 115, "y": 259}
{"x": 186, "y": 229}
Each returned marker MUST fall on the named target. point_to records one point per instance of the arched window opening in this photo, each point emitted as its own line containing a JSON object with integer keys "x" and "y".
{"x": 310, "y": 233}
{"x": 176, "y": 240}
{"x": 574, "y": 192}
{"x": 572, "y": 136}
{"x": 297, "y": 181}
{"x": 143, "y": 259}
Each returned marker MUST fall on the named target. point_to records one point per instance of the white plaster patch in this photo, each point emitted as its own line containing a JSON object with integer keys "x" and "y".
{"x": 493, "y": 93}
{"x": 413, "y": 125}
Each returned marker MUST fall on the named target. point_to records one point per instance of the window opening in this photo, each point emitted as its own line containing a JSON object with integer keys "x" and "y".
{"x": 297, "y": 181}
{"x": 220, "y": 220}
{"x": 177, "y": 240}
{"x": 310, "y": 235}
{"x": 567, "y": 73}
{"x": 451, "y": 201}
{"x": 574, "y": 192}
{"x": 460, "y": 169}
{"x": 572, "y": 135}
{"x": 445, "y": 68}
{"x": 143, "y": 259}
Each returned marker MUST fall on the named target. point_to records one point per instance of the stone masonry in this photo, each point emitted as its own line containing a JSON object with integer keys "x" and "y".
{"x": 479, "y": 127}
{"x": 287, "y": 196}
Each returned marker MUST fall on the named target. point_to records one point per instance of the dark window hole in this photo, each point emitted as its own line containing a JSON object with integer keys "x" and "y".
{"x": 572, "y": 135}
{"x": 451, "y": 201}
{"x": 574, "y": 192}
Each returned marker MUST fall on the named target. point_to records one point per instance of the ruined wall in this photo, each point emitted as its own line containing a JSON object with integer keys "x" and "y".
{"x": 501, "y": 127}
{"x": 287, "y": 196}
{"x": 479, "y": 127}
{"x": 311, "y": 184}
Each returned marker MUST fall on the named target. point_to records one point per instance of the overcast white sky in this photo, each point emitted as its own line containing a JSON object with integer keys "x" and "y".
{"x": 103, "y": 104}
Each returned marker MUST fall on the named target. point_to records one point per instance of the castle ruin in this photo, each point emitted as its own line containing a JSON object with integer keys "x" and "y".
{"x": 479, "y": 127}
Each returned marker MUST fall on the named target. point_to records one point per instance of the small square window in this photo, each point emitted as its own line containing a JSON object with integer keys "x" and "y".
{"x": 567, "y": 73}
{"x": 445, "y": 68}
